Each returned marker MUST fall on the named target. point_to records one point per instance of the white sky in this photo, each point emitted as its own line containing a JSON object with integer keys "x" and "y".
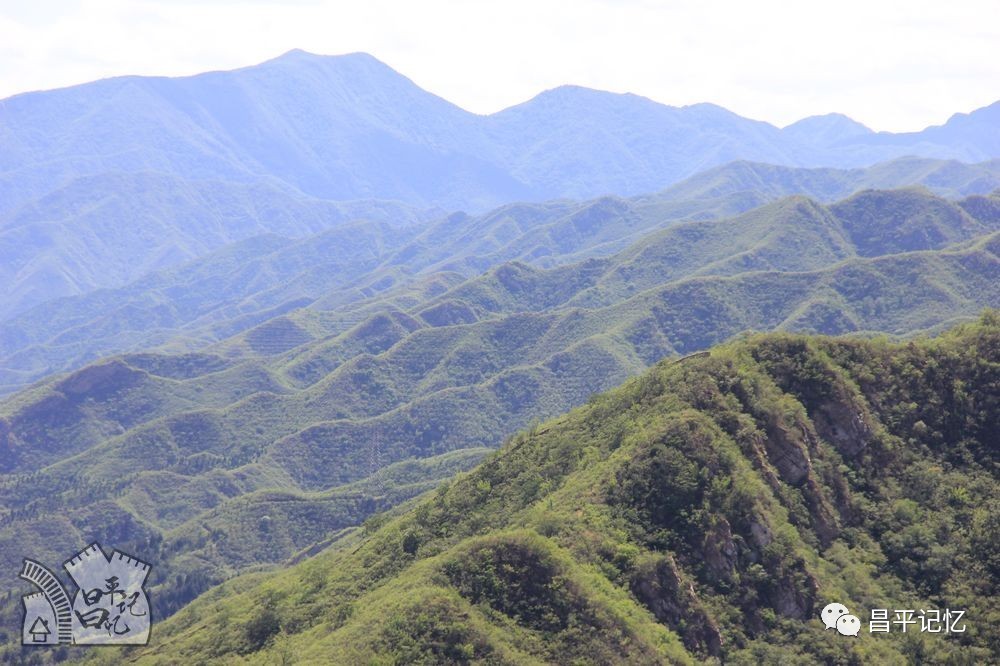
{"x": 892, "y": 65}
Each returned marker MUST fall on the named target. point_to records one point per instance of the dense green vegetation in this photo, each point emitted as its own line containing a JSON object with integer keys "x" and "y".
{"x": 232, "y": 531}
{"x": 364, "y": 266}
{"x": 184, "y": 455}
{"x": 244, "y": 284}
{"x": 235, "y": 326}
{"x": 704, "y": 511}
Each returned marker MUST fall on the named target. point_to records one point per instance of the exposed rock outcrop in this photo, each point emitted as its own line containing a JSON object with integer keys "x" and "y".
{"x": 660, "y": 586}
{"x": 843, "y": 425}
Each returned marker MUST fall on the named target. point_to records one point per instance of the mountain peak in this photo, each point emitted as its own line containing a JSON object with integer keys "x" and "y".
{"x": 829, "y": 122}
{"x": 989, "y": 114}
{"x": 826, "y": 130}
{"x": 577, "y": 99}
{"x": 296, "y": 53}
{"x": 574, "y": 92}
{"x": 300, "y": 56}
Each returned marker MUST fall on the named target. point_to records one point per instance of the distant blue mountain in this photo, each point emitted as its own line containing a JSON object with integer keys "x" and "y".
{"x": 827, "y": 131}
{"x": 349, "y": 127}
{"x": 103, "y": 183}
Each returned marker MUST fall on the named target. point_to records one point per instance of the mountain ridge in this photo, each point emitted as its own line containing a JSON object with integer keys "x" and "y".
{"x": 293, "y": 341}
{"x": 413, "y": 138}
{"x": 219, "y": 300}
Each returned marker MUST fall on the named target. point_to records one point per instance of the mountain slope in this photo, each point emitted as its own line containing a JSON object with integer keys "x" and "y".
{"x": 579, "y": 142}
{"x": 826, "y": 130}
{"x": 346, "y": 127}
{"x": 308, "y": 402}
{"x": 705, "y": 511}
{"x": 104, "y": 182}
{"x": 245, "y": 283}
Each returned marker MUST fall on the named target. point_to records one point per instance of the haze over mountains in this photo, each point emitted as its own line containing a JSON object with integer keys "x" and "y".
{"x": 349, "y": 127}
{"x": 352, "y": 264}
{"x": 294, "y": 131}
{"x": 245, "y": 311}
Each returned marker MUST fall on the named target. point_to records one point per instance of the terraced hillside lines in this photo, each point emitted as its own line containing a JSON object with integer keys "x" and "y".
{"x": 704, "y": 512}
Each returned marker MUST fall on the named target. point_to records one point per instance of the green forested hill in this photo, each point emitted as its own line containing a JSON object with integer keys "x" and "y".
{"x": 243, "y": 284}
{"x": 310, "y": 402}
{"x": 259, "y": 327}
{"x": 706, "y": 511}
{"x": 363, "y": 250}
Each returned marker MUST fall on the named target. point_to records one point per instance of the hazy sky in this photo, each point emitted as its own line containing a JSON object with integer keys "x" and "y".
{"x": 891, "y": 65}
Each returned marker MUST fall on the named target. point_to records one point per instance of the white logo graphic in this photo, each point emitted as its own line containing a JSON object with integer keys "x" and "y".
{"x": 933, "y": 621}
{"x": 832, "y": 613}
{"x": 848, "y": 625}
{"x": 109, "y": 608}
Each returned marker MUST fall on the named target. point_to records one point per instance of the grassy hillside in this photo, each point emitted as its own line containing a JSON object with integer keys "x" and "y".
{"x": 703, "y": 512}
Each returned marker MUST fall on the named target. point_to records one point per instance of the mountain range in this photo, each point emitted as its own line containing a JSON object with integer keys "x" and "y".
{"x": 349, "y": 127}
{"x": 351, "y": 262}
{"x": 179, "y": 167}
{"x": 279, "y": 439}
{"x": 268, "y": 329}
